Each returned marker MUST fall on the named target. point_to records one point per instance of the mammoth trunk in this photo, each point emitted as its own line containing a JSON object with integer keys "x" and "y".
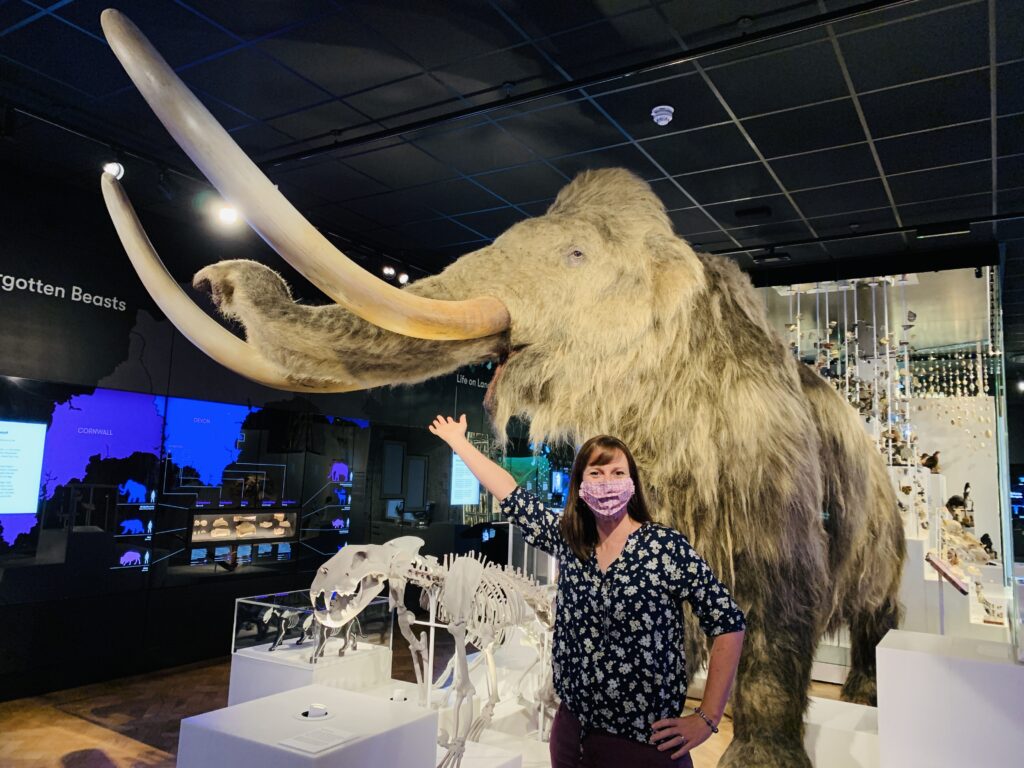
{"x": 321, "y": 345}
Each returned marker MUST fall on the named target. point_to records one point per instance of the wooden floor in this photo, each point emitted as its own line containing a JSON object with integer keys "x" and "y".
{"x": 133, "y": 722}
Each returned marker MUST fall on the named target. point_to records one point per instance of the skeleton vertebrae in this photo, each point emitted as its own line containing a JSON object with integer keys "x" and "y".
{"x": 479, "y": 602}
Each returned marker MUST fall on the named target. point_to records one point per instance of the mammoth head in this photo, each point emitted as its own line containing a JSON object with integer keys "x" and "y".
{"x": 567, "y": 305}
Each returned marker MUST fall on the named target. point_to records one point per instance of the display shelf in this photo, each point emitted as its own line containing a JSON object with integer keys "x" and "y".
{"x": 220, "y": 527}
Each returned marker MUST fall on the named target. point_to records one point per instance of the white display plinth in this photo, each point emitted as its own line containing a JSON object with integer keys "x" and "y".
{"x": 841, "y": 735}
{"x": 948, "y": 701}
{"x": 249, "y": 734}
{"x": 257, "y": 672}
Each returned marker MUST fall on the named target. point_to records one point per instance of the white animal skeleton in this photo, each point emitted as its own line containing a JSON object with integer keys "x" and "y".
{"x": 480, "y": 603}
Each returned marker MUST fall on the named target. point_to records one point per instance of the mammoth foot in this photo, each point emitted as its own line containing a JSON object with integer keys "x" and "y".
{"x": 767, "y": 753}
{"x": 860, "y": 688}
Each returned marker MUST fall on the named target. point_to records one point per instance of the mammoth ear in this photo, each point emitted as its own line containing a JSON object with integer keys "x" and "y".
{"x": 679, "y": 274}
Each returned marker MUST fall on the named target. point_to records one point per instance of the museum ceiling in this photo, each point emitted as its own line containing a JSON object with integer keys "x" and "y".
{"x": 420, "y": 130}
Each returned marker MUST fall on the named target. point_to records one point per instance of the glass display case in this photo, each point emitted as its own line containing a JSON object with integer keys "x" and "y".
{"x": 920, "y": 357}
{"x": 231, "y": 527}
{"x": 281, "y": 627}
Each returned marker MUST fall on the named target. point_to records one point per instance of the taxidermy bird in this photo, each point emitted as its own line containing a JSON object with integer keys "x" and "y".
{"x": 931, "y": 462}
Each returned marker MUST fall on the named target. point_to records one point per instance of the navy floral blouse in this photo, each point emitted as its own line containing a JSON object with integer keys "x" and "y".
{"x": 618, "y": 658}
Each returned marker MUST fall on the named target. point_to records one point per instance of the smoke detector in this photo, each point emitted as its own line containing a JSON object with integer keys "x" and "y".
{"x": 662, "y": 115}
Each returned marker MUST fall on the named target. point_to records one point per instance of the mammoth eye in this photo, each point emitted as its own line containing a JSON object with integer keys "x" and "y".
{"x": 574, "y": 256}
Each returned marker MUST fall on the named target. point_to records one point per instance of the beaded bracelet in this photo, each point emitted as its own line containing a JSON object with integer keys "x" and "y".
{"x": 700, "y": 713}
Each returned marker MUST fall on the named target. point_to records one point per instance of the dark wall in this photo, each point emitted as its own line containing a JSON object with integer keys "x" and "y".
{"x": 71, "y": 621}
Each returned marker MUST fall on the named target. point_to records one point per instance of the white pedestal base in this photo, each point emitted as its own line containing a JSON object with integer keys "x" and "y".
{"x": 841, "y": 735}
{"x": 249, "y": 734}
{"x": 257, "y": 672}
{"x": 948, "y": 702}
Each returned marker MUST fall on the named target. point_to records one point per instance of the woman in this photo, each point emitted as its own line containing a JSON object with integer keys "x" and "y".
{"x": 618, "y": 661}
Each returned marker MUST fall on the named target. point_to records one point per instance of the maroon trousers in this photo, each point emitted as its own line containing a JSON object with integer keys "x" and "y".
{"x": 602, "y": 749}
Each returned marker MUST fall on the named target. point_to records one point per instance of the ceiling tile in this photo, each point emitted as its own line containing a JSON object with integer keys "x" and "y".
{"x": 264, "y": 19}
{"x": 1011, "y": 135}
{"x": 259, "y": 139}
{"x": 765, "y": 234}
{"x": 736, "y": 183}
{"x": 573, "y": 127}
{"x": 1010, "y": 172}
{"x": 1009, "y": 30}
{"x": 841, "y": 198}
{"x": 541, "y": 19}
{"x": 483, "y": 79}
{"x": 402, "y": 99}
{"x": 806, "y": 129}
{"x": 1010, "y": 87}
{"x": 921, "y": 47}
{"x": 437, "y": 233}
{"x": 425, "y": 31}
{"x": 340, "y": 56}
{"x": 944, "y": 182}
{"x": 702, "y": 24}
{"x": 631, "y": 38}
{"x": 325, "y": 178}
{"x": 758, "y": 211}
{"x": 692, "y": 220}
{"x": 790, "y": 78}
{"x": 479, "y": 148}
{"x": 319, "y": 120}
{"x": 623, "y": 156}
{"x": 854, "y": 222}
{"x": 944, "y": 146}
{"x": 954, "y": 209}
{"x": 459, "y": 196}
{"x": 394, "y": 208}
{"x": 927, "y": 105}
{"x": 400, "y": 166}
{"x": 825, "y": 168}
{"x": 58, "y": 51}
{"x": 526, "y": 183}
{"x": 670, "y": 194}
{"x": 694, "y": 104}
{"x": 266, "y": 90}
{"x": 701, "y": 149}
{"x": 491, "y": 223}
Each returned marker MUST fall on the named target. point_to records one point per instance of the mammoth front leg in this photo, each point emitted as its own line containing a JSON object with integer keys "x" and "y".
{"x": 774, "y": 673}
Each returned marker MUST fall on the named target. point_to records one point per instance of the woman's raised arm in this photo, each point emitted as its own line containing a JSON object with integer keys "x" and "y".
{"x": 491, "y": 476}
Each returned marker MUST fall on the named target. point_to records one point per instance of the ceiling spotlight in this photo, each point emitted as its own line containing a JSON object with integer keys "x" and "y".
{"x": 403, "y": 278}
{"x": 388, "y": 271}
{"x": 662, "y": 115}
{"x": 1020, "y": 385}
{"x": 227, "y": 214}
{"x": 115, "y": 169}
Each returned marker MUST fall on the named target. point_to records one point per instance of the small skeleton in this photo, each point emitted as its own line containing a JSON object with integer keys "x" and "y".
{"x": 480, "y": 603}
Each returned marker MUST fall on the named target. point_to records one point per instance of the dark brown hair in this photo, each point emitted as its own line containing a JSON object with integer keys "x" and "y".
{"x": 577, "y": 523}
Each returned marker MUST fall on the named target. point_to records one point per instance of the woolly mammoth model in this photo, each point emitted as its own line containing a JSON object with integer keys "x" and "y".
{"x": 601, "y": 320}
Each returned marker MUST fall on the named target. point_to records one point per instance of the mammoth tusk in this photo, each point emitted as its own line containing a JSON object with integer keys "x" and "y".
{"x": 276, "y": 220}
{"x": 202, "y": 330}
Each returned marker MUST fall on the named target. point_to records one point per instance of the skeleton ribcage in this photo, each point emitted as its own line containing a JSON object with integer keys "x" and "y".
{"x": 498, "y": 604}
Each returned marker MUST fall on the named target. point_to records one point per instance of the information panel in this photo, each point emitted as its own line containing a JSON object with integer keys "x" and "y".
{"x": 21, "y": 466}
{"x": 465, "y": 486}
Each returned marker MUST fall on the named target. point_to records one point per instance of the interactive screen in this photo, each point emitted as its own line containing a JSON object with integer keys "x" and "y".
{"x": 465, "y": 487}
{"x": 21, "y": 466}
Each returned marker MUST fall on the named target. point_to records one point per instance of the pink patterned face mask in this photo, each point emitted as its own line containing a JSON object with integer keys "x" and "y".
{"x": 607, "y": 498}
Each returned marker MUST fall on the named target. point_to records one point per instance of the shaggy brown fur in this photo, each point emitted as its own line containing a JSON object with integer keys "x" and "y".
{"x": 625, "y": 330}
